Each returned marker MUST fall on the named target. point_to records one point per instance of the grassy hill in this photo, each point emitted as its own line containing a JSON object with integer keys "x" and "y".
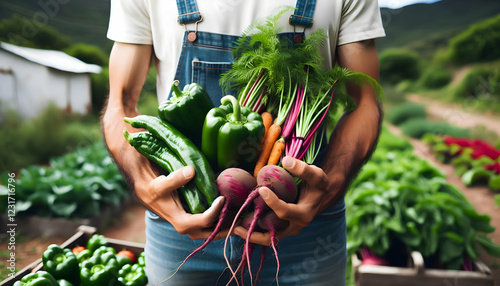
{"x": 81, "y": 20}
{"x": 422, "y": 27}
{"x": 426, "y": 27}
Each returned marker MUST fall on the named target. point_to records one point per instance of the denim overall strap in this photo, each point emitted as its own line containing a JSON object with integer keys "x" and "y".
{"x": 304, "y": 11}
{"x": 188, "y": 11}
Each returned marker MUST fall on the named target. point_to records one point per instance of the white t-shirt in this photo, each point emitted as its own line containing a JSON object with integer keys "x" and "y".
{"x": 154, "y": 22}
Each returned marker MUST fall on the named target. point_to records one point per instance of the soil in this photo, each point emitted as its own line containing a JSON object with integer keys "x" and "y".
{"x": 130, "y": 225}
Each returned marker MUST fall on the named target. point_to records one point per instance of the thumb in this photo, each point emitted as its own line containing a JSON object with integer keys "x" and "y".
{"x": 272, "y": 201}
{"x": 163, "y": 185}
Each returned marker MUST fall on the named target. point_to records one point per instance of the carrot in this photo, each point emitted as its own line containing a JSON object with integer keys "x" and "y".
{"x": 278, "y": 148}
{"x": 271, "y": 136}
{"x": 267, "y": 119}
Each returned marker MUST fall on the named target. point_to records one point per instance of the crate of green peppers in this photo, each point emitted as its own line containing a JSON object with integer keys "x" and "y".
{"x": 85, "y": 259}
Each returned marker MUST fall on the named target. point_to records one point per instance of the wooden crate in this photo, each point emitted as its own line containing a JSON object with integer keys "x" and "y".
{"x": 416, "y": 274}
{"x": 81, "y": 237}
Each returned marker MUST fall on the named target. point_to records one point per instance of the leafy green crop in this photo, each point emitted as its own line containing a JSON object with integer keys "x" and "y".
{"x": 76, "y": 185}
{"x": 401, "y": 199}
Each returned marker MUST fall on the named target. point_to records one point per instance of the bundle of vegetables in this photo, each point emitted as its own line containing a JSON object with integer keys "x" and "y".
{"x": 284, "y": 96}
{"x": 405, "y": 204}
{"x": 476, "y": 161}
{"x": 290, "y": 86}
{"x": 95, "y": 264}
{"x": 76, "y": 185}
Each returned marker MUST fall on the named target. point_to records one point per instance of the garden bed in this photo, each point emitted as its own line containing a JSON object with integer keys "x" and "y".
{"x": 79, "y": 238}
{"x": 416, "y": 274}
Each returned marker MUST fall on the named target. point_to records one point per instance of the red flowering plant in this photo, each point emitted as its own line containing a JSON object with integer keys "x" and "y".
{"x": 475, "y": 160}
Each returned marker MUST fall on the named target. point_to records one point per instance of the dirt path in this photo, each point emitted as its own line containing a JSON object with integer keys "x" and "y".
{"x": 458, "y": 115}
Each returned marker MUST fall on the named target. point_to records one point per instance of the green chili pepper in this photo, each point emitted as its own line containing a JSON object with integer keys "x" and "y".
{"x": 40, "y": 278}
{"x": 186, "y": 110}
{"x": 100, "y": 270}
{"x": 96, "y": 241}
{"x": 184, "y": 149}
{"x": 157, "y": 151}
{"x": 232, "y": 135}
{"x": 61, "y": 263}
{"x": 133, "y": 275}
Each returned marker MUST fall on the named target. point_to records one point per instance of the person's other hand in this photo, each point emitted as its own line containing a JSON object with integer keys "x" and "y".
{"x": 317, "y": 193}
{"x": 162, "y": 198}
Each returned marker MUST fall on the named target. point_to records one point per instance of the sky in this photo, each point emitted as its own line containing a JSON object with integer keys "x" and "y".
{"x": 394, "y": 4}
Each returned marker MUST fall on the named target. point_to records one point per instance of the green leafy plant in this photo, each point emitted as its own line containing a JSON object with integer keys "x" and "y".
{"x": 77, "y": 185}
{"x": 418, "y": 127}
{"x": 406, "y": 111}
{"x": 401, "y": 203}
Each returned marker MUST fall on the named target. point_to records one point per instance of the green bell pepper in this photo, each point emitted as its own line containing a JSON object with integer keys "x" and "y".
{"x": 64, "y": 282}
{"x": 61, "y": 263}
{"x": 100, "y": 270}
{"x": 83, "y": 255}
{"x": 232, "y": 135}
{"x": 123, "y": 260}
{"x": 186, "y": 110}
{"x": 96, "y": 241}
{"x": 141, "y": 260}
{"x": 133, "y": 275}
{"x": 40, "y": 278}
{"x": 103, "y": 249}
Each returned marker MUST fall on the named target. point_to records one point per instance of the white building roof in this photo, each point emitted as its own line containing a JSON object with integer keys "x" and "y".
{"x": 50, "y": 58}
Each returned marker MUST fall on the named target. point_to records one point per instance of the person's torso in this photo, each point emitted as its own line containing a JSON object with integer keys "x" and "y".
{"x": 228, "y": 18}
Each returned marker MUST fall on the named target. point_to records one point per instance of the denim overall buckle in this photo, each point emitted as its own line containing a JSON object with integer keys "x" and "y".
{"x": 191, "y": 35}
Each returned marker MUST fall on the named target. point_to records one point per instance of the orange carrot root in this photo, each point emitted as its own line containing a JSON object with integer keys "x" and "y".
{"x": 267, "y": 119}
{"x": 269, "y": 139}
{"x": 278, "y": 148}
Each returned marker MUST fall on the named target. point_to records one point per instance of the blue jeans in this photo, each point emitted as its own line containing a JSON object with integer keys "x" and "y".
{"x": 316, "y": 256}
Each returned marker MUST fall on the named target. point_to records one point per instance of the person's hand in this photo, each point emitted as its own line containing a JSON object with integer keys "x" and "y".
{"x": 317, "y": 193}
{"x": 161, "y": 197}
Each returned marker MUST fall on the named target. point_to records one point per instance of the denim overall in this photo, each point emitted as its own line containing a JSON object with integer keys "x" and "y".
{"x": 316, "y": 256}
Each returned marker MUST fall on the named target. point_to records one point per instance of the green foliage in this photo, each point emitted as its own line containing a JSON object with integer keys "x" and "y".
{"x": 35, "y": 141}
{"x": 88, "y": 53}
{"x": 418, "y": 127}
{"x": 479, "y": 43}
{"x": 479, "y": 81}
{"x": 99, "y": 89}
{"x": 406, "y": 111}
{"x": 77, "y": 185}
{"x": 402, "y": 200}
{"x": 20, "y": 31}
{"x": 397, "y": 65}
{"x": 435, "y": 77}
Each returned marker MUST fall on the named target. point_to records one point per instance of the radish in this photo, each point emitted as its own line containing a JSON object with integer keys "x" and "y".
{"x": 283, "y": 185}
{"x": 235, "y": 185}
{"x": 370, "y": 258}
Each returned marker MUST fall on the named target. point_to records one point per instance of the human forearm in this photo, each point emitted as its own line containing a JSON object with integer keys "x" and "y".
{"x": 128, "y": 69}
{"x": 351, "y": 144}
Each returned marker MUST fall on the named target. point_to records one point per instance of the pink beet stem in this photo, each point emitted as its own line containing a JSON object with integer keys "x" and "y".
{"x": 262, "y": 257}
{"x": 253, "y": 194}
{"x": 218, "y": 227}
{"x": 273, "y": 245}
{"x": 259, "y": 100}
{"x": 253, "y": 87}
{"x": 258, "y": 212}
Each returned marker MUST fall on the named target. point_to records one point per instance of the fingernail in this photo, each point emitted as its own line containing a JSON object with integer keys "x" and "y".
{"x": 187, "y": 172}
{"x": 288, "y": 162}
{"x": 264, "y": 193}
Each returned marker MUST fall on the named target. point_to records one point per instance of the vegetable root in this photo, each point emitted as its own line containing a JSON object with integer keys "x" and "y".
{"x": 270, "y": 137}
{"x": 279, "y": 181}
